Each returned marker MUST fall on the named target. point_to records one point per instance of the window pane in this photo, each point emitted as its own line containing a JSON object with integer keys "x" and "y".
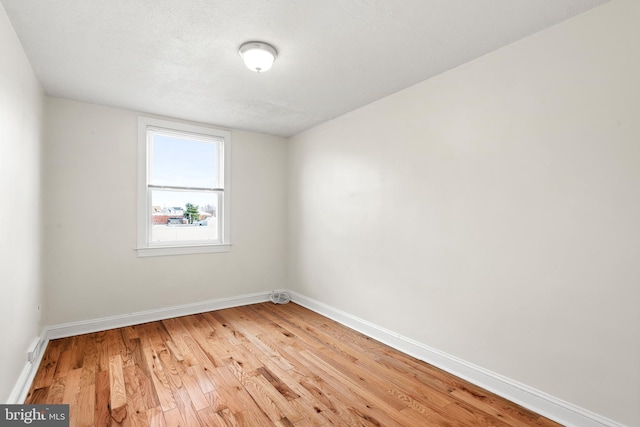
{"x": 180, "y": 161}
{"x": 182, "y": 216}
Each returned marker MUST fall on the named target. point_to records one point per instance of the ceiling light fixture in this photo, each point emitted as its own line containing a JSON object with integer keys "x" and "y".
{"x": 258, "y": 56}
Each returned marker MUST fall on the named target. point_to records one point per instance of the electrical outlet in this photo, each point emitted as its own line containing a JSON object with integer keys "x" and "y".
{"x": 33, "y": 350}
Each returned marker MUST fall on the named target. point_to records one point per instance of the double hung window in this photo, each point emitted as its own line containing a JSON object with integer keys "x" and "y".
{"x": 184, "y": 191}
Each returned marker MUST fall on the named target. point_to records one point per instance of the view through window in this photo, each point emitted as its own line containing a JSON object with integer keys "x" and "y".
{"x": 186, "y": 187}
{"x": 184, "y": 196}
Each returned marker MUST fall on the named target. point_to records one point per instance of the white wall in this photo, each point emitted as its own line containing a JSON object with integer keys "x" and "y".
{"x": 91, "y": 269}
{"x": 20, "y": 134}
{"x": 493, "y": 212}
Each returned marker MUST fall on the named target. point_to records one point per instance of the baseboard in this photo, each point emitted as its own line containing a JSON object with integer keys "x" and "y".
{"x": 21, "y": 388}
{"x": 530, "y": 398}
{"x": 542, "y": 403}
{"x": 119, "y": 321}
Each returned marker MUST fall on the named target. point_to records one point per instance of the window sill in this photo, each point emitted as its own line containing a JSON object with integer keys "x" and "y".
{"x": 181, "y": 250}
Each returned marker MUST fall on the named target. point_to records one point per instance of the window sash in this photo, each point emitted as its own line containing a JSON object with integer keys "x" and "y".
{"x": 147, "y": 127}
{"x": 218, "y": 174}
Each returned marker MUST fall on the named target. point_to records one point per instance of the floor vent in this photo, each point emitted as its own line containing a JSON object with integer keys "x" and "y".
{"x": 280, "y": 297}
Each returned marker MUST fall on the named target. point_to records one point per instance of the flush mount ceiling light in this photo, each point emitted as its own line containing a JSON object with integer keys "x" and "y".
{"x": 258, "y": 56}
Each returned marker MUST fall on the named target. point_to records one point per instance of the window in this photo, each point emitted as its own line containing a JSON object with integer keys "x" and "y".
{"x": 183, "y": 188}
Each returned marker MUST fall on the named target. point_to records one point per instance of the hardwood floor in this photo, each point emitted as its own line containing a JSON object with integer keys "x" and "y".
{"x": 258, "y": 365}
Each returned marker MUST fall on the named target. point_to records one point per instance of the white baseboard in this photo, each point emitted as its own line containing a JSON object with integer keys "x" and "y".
{"x": 119, "y": 321}
{"x": 544, "y": 404}
{"x": 21, "y": 388}
{"x": 530, "y": 398}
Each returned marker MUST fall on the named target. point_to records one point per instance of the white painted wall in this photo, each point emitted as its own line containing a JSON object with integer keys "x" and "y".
{"x": 21, "y": 101}
{"x": 91, "y": 269}
{"x": 493, "y": 212}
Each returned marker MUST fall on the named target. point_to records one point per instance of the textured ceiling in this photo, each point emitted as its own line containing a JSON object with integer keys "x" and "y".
{"x": 180, "y": 58}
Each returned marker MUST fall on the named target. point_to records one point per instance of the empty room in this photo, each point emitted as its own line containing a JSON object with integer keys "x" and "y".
{"x": 313, "y": 213}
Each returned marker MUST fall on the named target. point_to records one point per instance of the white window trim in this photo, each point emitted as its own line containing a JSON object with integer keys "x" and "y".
{"x": 144, "y": 204}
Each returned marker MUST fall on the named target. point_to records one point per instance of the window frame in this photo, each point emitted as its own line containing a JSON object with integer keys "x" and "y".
{"x": 145, "y": 248}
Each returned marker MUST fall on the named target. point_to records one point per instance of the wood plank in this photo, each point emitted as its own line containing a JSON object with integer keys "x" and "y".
{"x": 37, "y": 396}
{"x": 319, "y": 395}
{"x": 259, "y": 395}
{"x": 89, "y": 369}
{"x": 204, "y": 335}
{"x": 137, "y": 418}
{"x": 77, "y": 351}
{"x": 135, "y": 402}
{"x": 129, "y": 342}
{"x": 56, "y": 391}
{"x": 277, "y": 383}
{"x": 241, "y": 355}
{"x": 309, "y": 405}
{"x": 130, "y": 333}
{"x": 201, "y": 374}
{"x": 265, "y": 346}
{"x": 328, "y": 402}
{"x": 197, "y": 397}
{"x": 227, "y": 418}
{"x": 72, "y": 386}
{"x": 71, "y": 392}
{"x": 114, "y": 343}
{"x": 173, "y": 418}
{"x": 102, "y": 350}
{"x": 160, "y": 332}
{"x": 160, "y": 381}
{"x": 216, "y": 401}
{"x": 85, "y": 407}
{"x": 208, "y": 418}
{"x": 175, "y": 351}
{"x": 143, "y": 335}
{"x": 144, "y": 377}
{"x": 118, "y": 399}
{"x": 186, "y": 408}
{"x": 90, "y": 344}
{"x": 363, "y": 404}
{"x": 236, "y": 397}
{"x": 63, "y": 365}
{"x": 277, "y": 400}
{"x": 155, "y": 417}
{"x": 177, "y": 338}
{"x": 312, "y": 404}
{"x": 197, "y": 344}
{"x": 102, "y": 401}
{"x": 221, "y": 328}
{"x": 171, "y": 367}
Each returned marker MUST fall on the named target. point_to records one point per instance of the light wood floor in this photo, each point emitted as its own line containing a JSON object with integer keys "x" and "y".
{"x": 258, "y": 365}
